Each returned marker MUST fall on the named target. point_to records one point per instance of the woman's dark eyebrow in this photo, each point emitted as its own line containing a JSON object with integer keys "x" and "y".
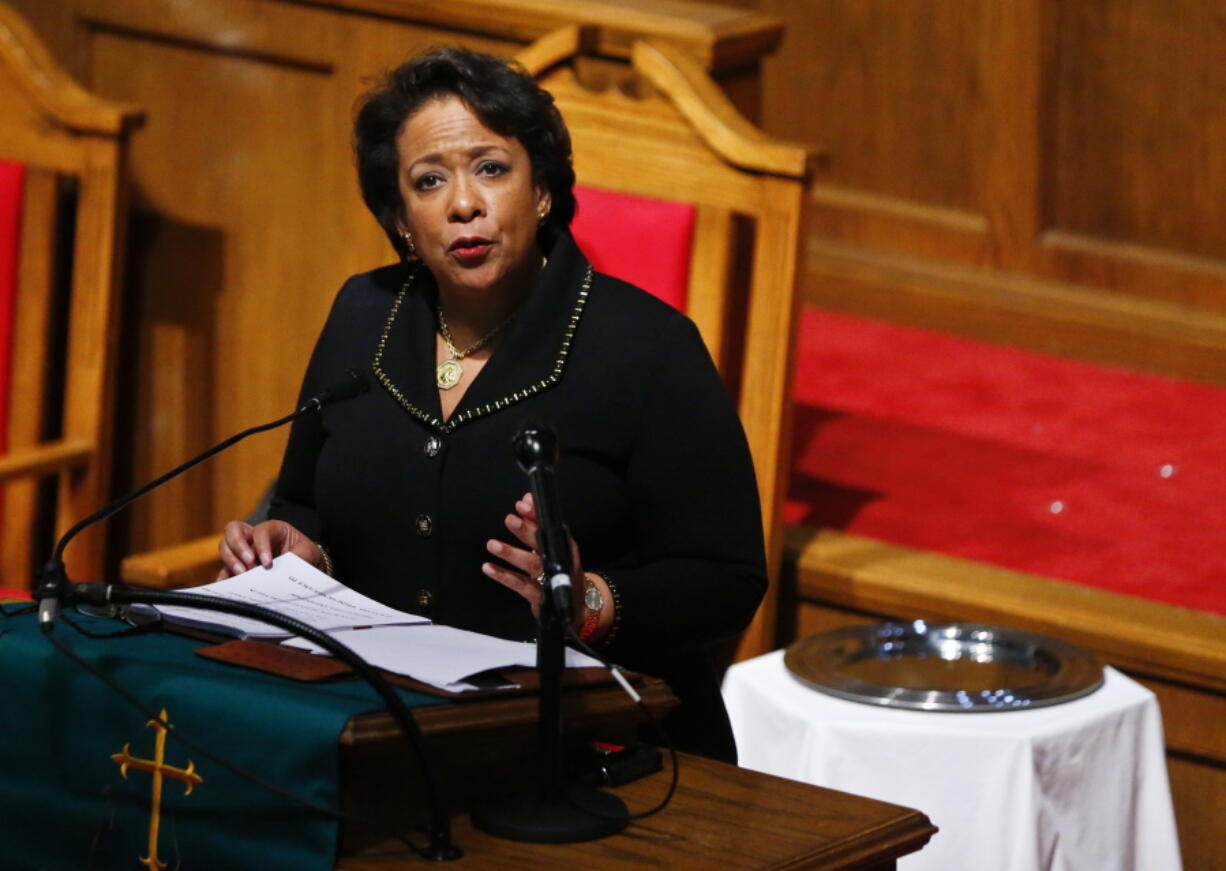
{"x": 475, "y": 151}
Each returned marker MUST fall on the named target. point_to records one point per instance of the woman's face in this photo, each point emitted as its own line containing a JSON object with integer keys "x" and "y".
{"x": 469, "y": 199}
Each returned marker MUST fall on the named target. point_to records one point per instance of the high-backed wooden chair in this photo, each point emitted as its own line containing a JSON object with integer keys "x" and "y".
{"x": 666, "y": 131}
{"x": 660, "y": 128}
{"x": 69, "y": 146}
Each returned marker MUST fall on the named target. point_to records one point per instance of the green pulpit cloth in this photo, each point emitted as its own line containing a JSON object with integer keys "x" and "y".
{"x": 66, "y": 740}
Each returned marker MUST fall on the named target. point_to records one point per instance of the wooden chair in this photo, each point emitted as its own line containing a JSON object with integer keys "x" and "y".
{"x": 660, "y": 128}
{"x": 663, "y": 129}
{"x": 65, "y": 326}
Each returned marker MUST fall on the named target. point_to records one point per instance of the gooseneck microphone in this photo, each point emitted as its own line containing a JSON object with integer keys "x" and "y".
{"x": 351, "y": 383}
{"x": 536, "y": 449}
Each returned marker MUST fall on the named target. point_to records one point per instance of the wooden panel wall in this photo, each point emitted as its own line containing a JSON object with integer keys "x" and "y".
{"x": 1047, "y": 173}
{"x": 894, "y": 74}
{"x": 247, "y": 214}
{"x": 1139, "y": 151}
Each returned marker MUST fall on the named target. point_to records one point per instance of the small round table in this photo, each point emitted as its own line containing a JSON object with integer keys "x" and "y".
{"x": 1080, "y": 785}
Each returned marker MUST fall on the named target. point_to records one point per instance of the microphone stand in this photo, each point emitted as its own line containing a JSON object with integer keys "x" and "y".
{"x": 55, "y": 585}
{"x": 549, "y": 810}
{"x": 56, "y": 589}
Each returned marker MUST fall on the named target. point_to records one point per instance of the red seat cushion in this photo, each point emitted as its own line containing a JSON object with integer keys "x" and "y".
{"x": 1041, "y": 464}
{"x": 644, "y": 241}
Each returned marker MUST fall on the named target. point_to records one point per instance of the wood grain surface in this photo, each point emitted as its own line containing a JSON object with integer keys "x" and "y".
{"x": 722, "y": 817}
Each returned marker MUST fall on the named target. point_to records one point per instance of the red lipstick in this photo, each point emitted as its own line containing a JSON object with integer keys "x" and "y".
{"x": 470, "y": 249}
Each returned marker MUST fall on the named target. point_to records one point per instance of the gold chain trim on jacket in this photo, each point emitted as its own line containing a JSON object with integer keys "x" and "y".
{"x": 505, "y": 402}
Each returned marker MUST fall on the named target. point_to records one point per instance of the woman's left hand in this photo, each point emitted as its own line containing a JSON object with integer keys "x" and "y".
{"x": 522, "y": 525}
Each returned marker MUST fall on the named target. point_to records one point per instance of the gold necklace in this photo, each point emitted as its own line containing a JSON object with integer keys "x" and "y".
{"x": 448, "y": 373}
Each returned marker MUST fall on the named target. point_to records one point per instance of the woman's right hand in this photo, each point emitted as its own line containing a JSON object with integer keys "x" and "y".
{"x": 244, "y": 546}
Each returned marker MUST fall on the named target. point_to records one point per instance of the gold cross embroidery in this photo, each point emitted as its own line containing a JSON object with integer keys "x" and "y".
{"x": 158, "y": 769}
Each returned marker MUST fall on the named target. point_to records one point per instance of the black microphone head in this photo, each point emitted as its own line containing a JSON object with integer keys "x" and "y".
{"x": 535, "y": 445}
{"x": 351, "y": 383}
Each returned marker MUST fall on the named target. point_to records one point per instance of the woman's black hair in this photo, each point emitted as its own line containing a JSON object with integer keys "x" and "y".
{"x": 505, "y": 98}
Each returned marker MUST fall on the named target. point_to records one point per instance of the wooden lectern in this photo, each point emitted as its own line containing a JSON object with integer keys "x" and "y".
{"x": 721, "y": 817}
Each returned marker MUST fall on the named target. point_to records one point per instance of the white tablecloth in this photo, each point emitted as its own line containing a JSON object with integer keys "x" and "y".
{"x": 1080, "y": 786}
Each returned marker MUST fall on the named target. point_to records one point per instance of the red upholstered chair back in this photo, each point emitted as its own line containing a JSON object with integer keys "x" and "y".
{"x": 59, "y": 244}
{"x": 12, "y": 178}
{"x": 645, "y": 241}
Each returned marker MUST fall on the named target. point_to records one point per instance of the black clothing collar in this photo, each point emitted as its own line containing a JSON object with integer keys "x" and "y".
{"x": 530, "y": 357}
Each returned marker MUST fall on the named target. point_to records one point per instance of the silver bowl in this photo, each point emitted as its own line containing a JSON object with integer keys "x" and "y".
{"x": 953, "y": 667}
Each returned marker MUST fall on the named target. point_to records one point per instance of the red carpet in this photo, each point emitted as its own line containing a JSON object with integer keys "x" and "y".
{"x": 1039, "y": 464}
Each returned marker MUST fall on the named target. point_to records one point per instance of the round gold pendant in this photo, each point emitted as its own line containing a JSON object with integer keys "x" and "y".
{"x": 448, "y": 374}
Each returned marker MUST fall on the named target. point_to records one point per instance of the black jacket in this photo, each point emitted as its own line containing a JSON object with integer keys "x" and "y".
{"x": 655, "y": 476}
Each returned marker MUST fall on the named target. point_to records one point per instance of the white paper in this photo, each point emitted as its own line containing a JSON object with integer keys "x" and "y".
{"x": 438, "y": 655}
{"x": 291, "y": 587}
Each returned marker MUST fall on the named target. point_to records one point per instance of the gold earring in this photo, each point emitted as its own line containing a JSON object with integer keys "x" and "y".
{"x": 542, "y": 213}
{"x": 408, "y": 241}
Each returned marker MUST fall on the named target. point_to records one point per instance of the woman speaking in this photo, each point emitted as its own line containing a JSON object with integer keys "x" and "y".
{"x": 493, "y": 319}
